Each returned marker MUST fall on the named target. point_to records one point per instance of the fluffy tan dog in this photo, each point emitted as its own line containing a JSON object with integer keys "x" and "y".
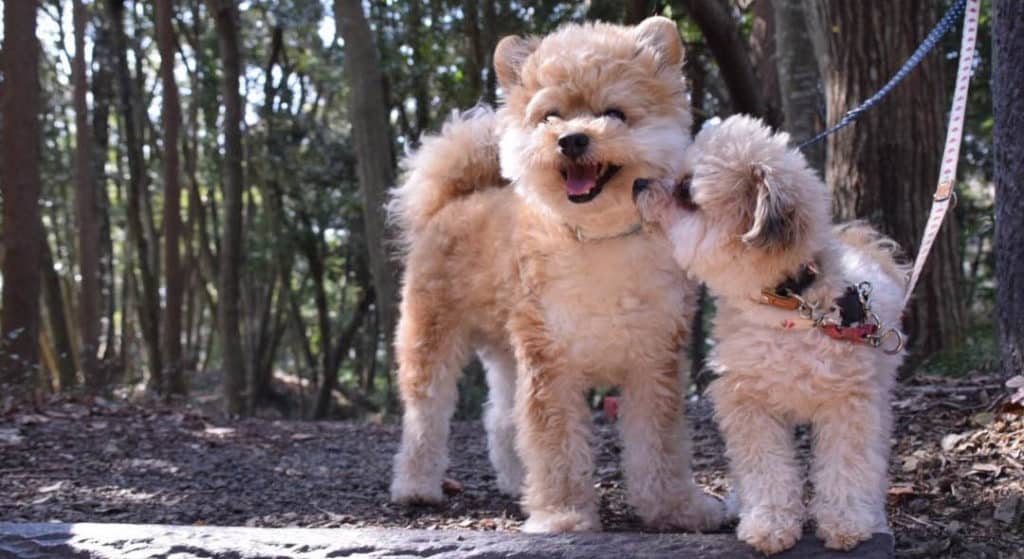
{"x": 552, "y": 279}
{"x": 753, "y": 222}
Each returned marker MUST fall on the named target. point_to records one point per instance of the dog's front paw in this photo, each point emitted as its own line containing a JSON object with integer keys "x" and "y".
{"x": 558, "y": 521}
{"x": 844, "y": 530}
{"x": 409, "y": 491}
{"x": 770, "y": 530}
{"x": 653, "y": 200}
{"x": 698, "y": 514}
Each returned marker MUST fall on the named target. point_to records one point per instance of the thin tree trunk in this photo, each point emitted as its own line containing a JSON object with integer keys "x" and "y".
{"x": 722, "y": 34}
{"x": 173, "y": 273}
{"x": 337, "y": 356}
{"x": 637, "y": 11}
{"x": 87, "y": 208}
{"x": 21, "y": 187}
{"x": 235, "y": 389}
{"x": 474, "y": 48}
{"x": 149, "y": 300}
{"x": 803, "y": 101}
{"x": 490, "y": 40}
{"x": 884, "y": 168}
{"x": 764, "y": 58}
{"x": 1008, "y": 146}
{"x": 372, "y": 142}
{"x": 102, "y": 97}
{"x": 61, "y": 336}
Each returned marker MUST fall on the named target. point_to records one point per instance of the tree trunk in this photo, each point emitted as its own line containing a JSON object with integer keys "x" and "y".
{"x": 53, "y": 297}
{"x": 102, "y": 98}
{"x": 87, "y": 207}
{"x": 337, "y": 356}
{"x": 372, "y": 142}
{"x": 474, "y": 48}
{"x": 801, "y": 97}
{"x": 722, "y": 34}
{"x": 1008, "y": 146}
{"x": 149, "y": 300}
{"x": 21, "y": 185}
{"x": 764, "y": 58}
{"x": 885, "y": 167}
{"x": 174, "y": 278}
{"x": 490, "y": 40}
{"x": 637, "y": 11}
{"x": 235, "y": 390}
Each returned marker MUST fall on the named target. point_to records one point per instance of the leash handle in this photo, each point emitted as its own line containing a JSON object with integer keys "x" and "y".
{"x": 951, "y": 155}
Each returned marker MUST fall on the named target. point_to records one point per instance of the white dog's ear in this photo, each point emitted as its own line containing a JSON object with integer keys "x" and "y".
{"x": 509, "y": 56}
{"x": 776, "y": 224}
{"x": 662, "y": 35}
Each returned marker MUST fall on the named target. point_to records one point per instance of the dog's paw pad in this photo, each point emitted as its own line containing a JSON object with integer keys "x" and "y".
{"x": 554, "y": 522}
{"x": 769, "y": 531}
{"x": 407, "y": 493}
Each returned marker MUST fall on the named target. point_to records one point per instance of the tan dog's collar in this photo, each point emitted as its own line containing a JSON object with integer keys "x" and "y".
{"x": 577, "y": 231}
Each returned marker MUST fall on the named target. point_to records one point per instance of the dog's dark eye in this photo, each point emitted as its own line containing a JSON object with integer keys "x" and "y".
{"x": 551, "y": 114}
{"x": 615, "y": 113}
{"x": 683, "y": 195}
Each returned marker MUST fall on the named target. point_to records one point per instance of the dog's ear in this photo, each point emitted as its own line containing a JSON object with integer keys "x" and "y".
{"x": 509, "y": 56}
{"x": 776, "y": 223}
{"x": 662, "y": 35}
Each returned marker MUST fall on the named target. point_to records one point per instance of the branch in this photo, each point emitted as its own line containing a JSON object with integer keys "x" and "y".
{"x": 730, "y": 51}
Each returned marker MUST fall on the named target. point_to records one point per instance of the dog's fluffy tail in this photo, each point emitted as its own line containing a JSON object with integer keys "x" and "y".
{"x": 883, "y": 250}
{"x": 461, "y": 159}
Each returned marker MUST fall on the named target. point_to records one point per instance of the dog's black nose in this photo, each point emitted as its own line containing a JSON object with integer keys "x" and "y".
{"x": 640, "y": 185}
{"x": 574, "y": 145}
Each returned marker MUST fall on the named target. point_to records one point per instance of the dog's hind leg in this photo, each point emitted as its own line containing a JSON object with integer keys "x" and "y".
{"x": 851, "y": 458}
{"x": 499, "y": 419}
{"x": 657, "y": 454}
{"x": 431, "y": 352}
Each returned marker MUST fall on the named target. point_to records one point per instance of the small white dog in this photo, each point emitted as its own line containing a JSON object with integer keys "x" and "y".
{"x": 804, "y": 331}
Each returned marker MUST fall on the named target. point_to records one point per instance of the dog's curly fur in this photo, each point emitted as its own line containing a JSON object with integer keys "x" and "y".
{"x": 495, "y": 265}
{"x": 752, "y": 215}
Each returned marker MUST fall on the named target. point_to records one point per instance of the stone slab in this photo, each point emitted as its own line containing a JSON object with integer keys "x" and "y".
{"x": 145, "y": 541}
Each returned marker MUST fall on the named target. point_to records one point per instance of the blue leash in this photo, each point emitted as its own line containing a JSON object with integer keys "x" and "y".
{"x": 926, "y": 46}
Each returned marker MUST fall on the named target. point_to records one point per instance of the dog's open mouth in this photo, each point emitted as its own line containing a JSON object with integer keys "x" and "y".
{"x": 584, "y": 182}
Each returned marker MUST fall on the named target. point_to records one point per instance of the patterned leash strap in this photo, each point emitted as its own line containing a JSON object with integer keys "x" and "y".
{"x": 944, "y": 25}
{"x": 944, "y": 194}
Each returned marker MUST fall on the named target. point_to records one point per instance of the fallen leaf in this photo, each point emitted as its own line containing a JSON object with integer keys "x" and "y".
{"x": 451, "y": 487}
{"x": 302, "y": 436}
{"x": 951, "y": 440}
{"x": 985, "y": 467}
{"x": 910, "y": 464}
{"x": 51, "y": 488}
{"x": 982, "y": 419}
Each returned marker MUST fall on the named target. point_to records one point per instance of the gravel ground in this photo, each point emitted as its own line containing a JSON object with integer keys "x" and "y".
{"x": 957, "y": 474}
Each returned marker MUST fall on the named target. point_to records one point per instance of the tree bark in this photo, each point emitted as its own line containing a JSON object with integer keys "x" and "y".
{"x": 53, "y": 296}
{"x": 722, "y": 34}
{"x": 337, "y": 356}
{"x": 764, "y": 58}
{"x": 802, "y": 99}
{"x": 174, "y": 278}
{"x": 22, "y": 238}
{"x": 885, "y": 167}
{"x": 1008, "y": 147}
{"x": 102, "y": 97}
{"x": 87, "y": 208}
{"x": 149, "y": 301}
{"x": 235, "y": 379}
{"x": 372, "y": 141}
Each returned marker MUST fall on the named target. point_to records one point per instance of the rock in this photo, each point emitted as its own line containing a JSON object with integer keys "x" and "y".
{"x": 131, "y": 541}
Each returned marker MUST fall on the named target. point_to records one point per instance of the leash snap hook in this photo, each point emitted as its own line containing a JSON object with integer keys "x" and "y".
{"x": 879, "y": 341}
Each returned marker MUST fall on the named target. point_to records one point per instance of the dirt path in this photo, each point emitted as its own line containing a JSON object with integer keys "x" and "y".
{"x": 957, "y": 473}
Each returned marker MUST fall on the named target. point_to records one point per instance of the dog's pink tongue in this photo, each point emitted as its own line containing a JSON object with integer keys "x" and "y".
{"x": 580, "y": 179}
